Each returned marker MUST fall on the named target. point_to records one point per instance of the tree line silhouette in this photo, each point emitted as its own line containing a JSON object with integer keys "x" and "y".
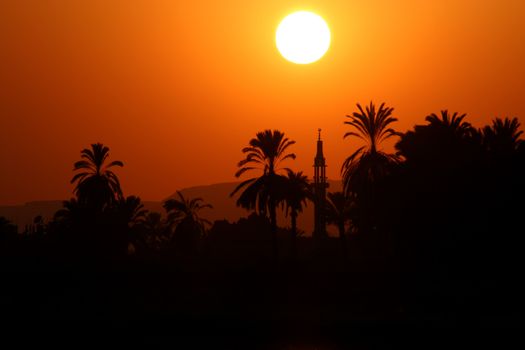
{"x": 434, "y": 227}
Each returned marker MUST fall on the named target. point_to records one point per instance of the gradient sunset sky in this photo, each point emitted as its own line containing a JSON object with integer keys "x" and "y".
{"x": 176, "y": 89}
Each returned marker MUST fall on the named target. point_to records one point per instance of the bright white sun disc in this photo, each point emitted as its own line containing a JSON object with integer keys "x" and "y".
{"x": 302, "y": 37}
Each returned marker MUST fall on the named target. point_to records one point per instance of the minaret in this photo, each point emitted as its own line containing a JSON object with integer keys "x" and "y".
{"x": 320, "y": 186}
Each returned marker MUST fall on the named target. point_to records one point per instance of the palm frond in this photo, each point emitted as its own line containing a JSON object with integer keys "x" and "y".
{"x": 241, "y": 185}
{"x": 115, "y": 163}
{"x": 243, "y": 170}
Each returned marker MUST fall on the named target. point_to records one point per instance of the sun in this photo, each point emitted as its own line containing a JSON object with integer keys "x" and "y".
{"x": 302, "y": 37}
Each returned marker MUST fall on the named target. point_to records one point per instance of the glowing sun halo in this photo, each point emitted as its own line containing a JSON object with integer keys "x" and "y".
{"x": 302, "y": 37}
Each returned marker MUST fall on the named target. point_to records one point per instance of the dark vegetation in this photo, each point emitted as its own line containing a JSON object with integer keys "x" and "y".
{"x": 431, "y": 235}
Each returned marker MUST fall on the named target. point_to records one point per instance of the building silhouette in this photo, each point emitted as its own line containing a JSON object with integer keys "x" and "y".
{"x": 320, "y": 186}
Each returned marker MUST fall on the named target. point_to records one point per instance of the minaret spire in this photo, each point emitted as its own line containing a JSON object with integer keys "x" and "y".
{"x": 320, "y": 186}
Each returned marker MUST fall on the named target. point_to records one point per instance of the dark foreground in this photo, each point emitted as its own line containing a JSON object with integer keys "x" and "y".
{"x": 320, "y": 299}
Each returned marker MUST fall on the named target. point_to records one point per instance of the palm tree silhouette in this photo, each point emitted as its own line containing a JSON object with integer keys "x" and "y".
{"x": 38, "y": 226}
{"x": 79, "y": 228}
{"x": 7, "y": 228}
{"x": 153, "y": 222}
{"x": 446, "y": 141}
{"x": 130, "y": 210}
{"x": 96, "y": 185}
{"x": 153, "y": 230}
{"x": 338, "y": 211}
{"x": 71, "y": 213}
{"x": 368, "y": 163}
{"x": 183, "y": 215}
{"x": 128, "y": 213}
{"x": 296, "y": 194}
{"x": 454, "y": 123}
{"x": 265, "y": 153}
{"x": 503, "y": 137}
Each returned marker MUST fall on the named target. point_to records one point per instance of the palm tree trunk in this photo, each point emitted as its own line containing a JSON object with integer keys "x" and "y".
{"x": 342, "y": 238}
{"x": 294, "y": 233}
{"x": 273, "y": 227}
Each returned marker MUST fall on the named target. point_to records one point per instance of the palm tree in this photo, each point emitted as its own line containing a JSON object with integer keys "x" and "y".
{"x": 130, "y": 210}
{"x": 338, "y": 212}
{"x": 153, "y": 222}
{"x": 503, "y": 137}
{"x": 368, "y": 163}
{"x": 445, "y": 142}
{"x": 96, "y": 184}
{"x": 71, "y": 213}
{"x": 454, "y": 123}
{"x": 297, "y": 192}
{"x": 153, "y": 230}
{"x": 38, "y": 226}
{"x": 265, "y": 153}
{"x": 76, "y": 228}
{"x": 183, "y": 216}
{"x": 7, "y": 228}
{"x": 127, "y": 214}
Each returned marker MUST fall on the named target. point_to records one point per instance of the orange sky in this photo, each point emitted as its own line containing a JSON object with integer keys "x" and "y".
{"x": 176, "y": 89}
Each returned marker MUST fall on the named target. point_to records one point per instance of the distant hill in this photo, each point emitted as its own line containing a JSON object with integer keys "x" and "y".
{"x": 23, "y": 215}
{"x": 218, "y": 195}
